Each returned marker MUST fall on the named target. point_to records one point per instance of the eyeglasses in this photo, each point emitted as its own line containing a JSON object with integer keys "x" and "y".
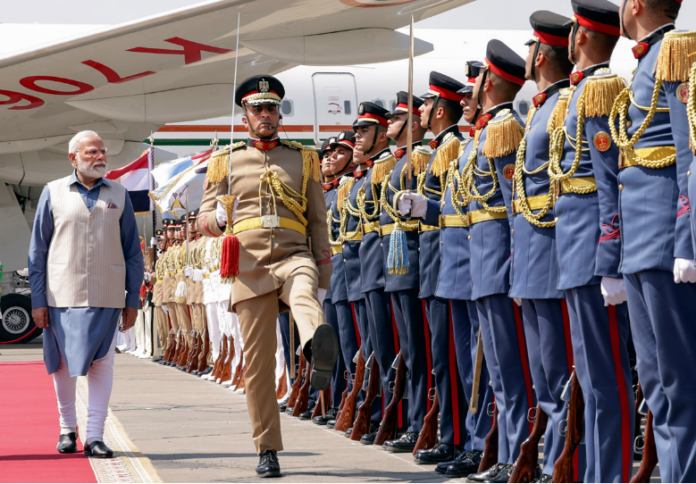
{"x": 94, "y": 152}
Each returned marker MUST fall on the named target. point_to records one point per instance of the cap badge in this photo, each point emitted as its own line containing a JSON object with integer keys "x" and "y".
{"x": 332, "y": 141}
{"x": 361, "y": 109}
{"x": 342, "y": 136}
{"x": 264, "y": 85}
{"x": 602, "y": 141}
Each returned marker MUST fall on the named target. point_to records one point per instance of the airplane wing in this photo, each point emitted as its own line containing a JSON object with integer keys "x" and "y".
{"x": 127, "y": 81}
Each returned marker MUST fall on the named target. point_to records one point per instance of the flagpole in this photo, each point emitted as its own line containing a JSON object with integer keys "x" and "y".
{"x": 188, "y": 254}
{"x": 150, "y": 166}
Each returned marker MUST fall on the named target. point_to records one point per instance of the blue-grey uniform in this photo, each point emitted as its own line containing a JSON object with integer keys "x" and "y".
{"x": 402, "y": 283}
{"x": 654, "y": 216}
{"x": 454, "y": 285}
{"x": 588, "y": 246}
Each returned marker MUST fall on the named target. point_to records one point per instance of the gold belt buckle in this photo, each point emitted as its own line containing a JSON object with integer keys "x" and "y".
{"x": 270, "y": 221}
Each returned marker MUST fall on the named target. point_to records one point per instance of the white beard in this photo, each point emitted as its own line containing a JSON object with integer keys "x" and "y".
{"x": 98, "y": 170}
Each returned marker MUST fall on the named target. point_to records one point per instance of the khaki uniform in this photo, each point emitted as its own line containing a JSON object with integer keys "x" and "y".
{"x": 157, "y": 298}
{"x": 280, "y": 267}
{"x": 182, "y": 313}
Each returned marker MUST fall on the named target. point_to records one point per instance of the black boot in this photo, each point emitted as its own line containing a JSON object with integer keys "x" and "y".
{"x": 268, "y": 464}
{"x": 369, "y": 438}
{"x": 324, "y": 356}
{"x": 439, "y": 453}
{"x": 99, "y": 450}
{"x": 324, "y": 419}
{"x": 486, "y": 475}
{"x": 406, "y": 443}
{"x": 67, "y": 443}
{"x": 310, "y": 410}
{"x": 467, "y": 463}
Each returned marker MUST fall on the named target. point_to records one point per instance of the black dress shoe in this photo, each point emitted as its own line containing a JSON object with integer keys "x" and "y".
{"x": 503, "y": 475}
{"x": 207, "y": 371}
{"x": 99, "y": 450}
{"x": 157, "y": 359}
{"x": 439, "y": 453}
{"x": 324, "y": 356}
{"x": 289, "y": 410}
{"x": 268, "y": 464}
{"x": 283, "y": 403}
{"x": 369, "y": 438}
{"x": 464, "y": 465}
{"x": 493, "y": 471}
{"x": 310, "y": 410}
{"x": 331, "y": 423}
{"x": 405, "y": 444}
{"x": 324, "y": 419}
{"x": 348, "y": 433}
{"x": 67, "y": 443}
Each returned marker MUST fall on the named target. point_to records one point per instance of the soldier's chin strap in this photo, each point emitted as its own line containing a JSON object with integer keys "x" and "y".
{"x": 576, "y": 26}
{"x": 401, "y": 131}
{"x": 262, "y": 138}
{"x": 344, "y": 170}
{"x": 479, "y": 106}
{"x": 374, "y": 140}
{"x": 432, "y": 110}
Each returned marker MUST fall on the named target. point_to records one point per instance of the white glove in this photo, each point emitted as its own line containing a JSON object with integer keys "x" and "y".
{"x": 197, "y": 275}
{"x": 146, "y": 277}
{"x": 153, "y": 242}
{"x": 613, "y": 291}
{"x": 684, "y": 271}
{"x": 412, "y": 203}
{"x": 165, "y": 309}
{"x": 321, "y": 295}
{"x": 221, "y": 213}
{"x": 518, "y": 301}
{"x": 188, "y": 271}
{"x": 206, "y": 271}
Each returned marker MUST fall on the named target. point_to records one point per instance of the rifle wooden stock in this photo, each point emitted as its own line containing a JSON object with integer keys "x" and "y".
{"x": 563, "y": 467}
{"x": 428, "y": 434}
{"x": 639, "y": 418}
{"x": 344, "y": 397}
{"x": 649, "y": 461}
{"x": 217, "y": 369}
{"x": 318, "y": 410}
{"x": 282, "y": 384}
{"x": 171, "y": 347}
{"x": 362, "y": 423}
{"x": 302, "y": 402}
{"x": 193, "y": 354}
{"x": 478, "y": 365}
{"x": 242, "y": 384}
{"x": 203, "y": 354}
{"x": 490, "y": 451}
{"x": 181, "y": 361}
{"x": 388, "y": 427}
{"x": 297, "y": 384}
{"x": 226, "y": 367}
{"x": 525, "y": 468}
{"x": 177, "y": 349}
{"x": 237, "y": 377}
{"x": 348, "y": 413}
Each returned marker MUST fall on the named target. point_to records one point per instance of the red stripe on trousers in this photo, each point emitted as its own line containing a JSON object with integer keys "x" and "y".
{"x": 397, "y": 348}
{"x": 355, "y": 324}
{"x": 523, "y": 357}
{"x": 627, "y": 451}
{"x": 453, "y": 378}
{"x": 571, "y": 361}
{"x": 427, "y": 354}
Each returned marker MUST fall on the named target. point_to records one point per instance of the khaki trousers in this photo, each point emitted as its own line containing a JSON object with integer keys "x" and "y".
{"x": 257, "y": 318}
{"x": 162, "y": 327}
{"x": 171, "y": 307}
{"x": 184, "y": 321}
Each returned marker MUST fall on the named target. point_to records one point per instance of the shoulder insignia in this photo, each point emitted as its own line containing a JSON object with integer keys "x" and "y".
{"x": 343, "y": 191}
{"x": 292, "y": 144}
{"x": 602, "y": 141}
{"x": 600, "y": 93}
{"x": 219, "y": 165}
{"x": 503, "y": 136}
{"x": 558, "y": 115}
{"x": 420, "y": 157}
{"x": 502, "y": 113}
{"x": 382, "y": 167}
{"x": 676, "y": 56}
{"x": 309, "y": 156}
{"x": 238, "y": 144}
{"x": 447, "y": 152}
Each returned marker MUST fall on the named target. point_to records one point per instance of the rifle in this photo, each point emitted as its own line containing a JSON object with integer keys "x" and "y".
{"x": 362, "y": 423}
{"x": 348, "y": 413}
{"x": 478, "y": 365}
{"x": 193, "y": 354}
{"x": 238, "y": 371}
{"x": 428, "y": 434}
{"x": 184, "y": 351}
{"x": 226, "y": 369}
{"x": 298, "y": 383}
{"x": 320, "y": 407}
{"x": 526, "y": 465}
{"x": 649, "y": 461}
{"x": 490, "y": 450}
{"x": 638, "y": 421}
{"x": 563, "y": 467}
{"x": 171, "y": 346}
{"x": 302, "y": 402}
{"x": 177, "y": 349}
{"x": 387, "y": 429}
{"x": 241, "y": 385}
{"x": 282, "y": 385}
{"x": 203, "y": 355}
{"x": 222, "y": 356}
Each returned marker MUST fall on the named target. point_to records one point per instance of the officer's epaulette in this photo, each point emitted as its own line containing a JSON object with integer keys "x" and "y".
{"x": 601, "y": 90}
{"x": 420, "y": 157}
{"x": 343, "y": 190}
{"x": 676, "y": 56}
{"x": 308, "y": 156}
{"x": 219, "y": 164}
{"x": 503, "y": 135}
{"x": 383, "y": 167}
{"x": 557, "y": 118}
{"x": 447, "y": 151}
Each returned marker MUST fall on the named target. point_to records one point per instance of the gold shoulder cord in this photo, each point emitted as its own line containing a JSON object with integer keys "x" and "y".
{"x": 472, "y": 169}
{"x": 531, "y": 217}
{"x": 329, "y": 224}
{"x": 457, "y": 192}
{"x": 286, "y": 193}
{"x": 691, "y": 108}
{"x": 392, "y": 211}
{"x": 362, "y": 202}
{"x": 348, "y": 208}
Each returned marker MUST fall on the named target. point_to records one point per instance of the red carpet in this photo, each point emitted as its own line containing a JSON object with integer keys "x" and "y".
{"x": 29, "y": 429}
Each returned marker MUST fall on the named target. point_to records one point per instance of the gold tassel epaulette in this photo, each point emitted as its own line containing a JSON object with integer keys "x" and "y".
{"x": 309, "y": 155}
{"x": 677, "y": 53}
{"x": 600, "y": 93}
{"x": 446, "y": 152}
{"x": 382, "y": 168}
{"x": 219, "y": 164}
{"x": 503, "y": 135}
{"x": 557, "y": 118}
{"x": 343, "y": 191}
{"x": 420, "y": 157}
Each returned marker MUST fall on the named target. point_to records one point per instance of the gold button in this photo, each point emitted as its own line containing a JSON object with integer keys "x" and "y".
{"x": 418, "y": 249}
{"x": 556, "y": 219}
{"x": 470, "y": 237}
{"x": 620, "y": 187}
{"x": 629, "y": 123}
{"x": 688, "y": 173}
{"x": 381, "y": 245}
{"x": 512, "y": 230}
{"x": 441, "y": 243}
{"x": 273, "y": 236}
{"x": 344, "y": 261}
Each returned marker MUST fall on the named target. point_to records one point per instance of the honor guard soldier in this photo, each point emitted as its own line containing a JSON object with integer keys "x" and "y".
{"x": 583, "y": 168}
{"x": 362, "y": 253}
{"x": 400, "y": 252}
{"x": 279, "y": 232}
{"x": 168, "y": 291}
{"x": 488, "y": 181}
{"x": 157, "y": 296}
{"x": 440, "y": 114}
{"x": 454, "y": 285}
{"x": 657, "y": 258}
{"x": 534, "y": 265}
{"x": 182, "y": 310}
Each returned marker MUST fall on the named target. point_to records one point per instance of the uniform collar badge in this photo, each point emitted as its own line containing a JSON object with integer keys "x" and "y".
{"x": 370, "y": 163}
{"x": 640, "y": 49}
{"x": 576, "y": 77}
{"x": 399, "y": 153}
{"x": 433, "y": 144}
{"x": 358, "y": 174}
{"x": 327, "y": 186}
{"x": 539, "y": 99}
{"x": 483, "y": 121}
{"x": 472, "y": 131}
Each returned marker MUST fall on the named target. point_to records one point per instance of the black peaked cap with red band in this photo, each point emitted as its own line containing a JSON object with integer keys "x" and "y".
{"x": 401, "y": 106}
{"x": 473, "y": 69}
{"x": 505, "y": 63}
{"x": 370, "y": 114}
{"x": 550, "y": 28}
{"x": 259, "y": 90}
{"x": 597, "y": 15}
{"x": 325, "y": 146}
{"x": 345, "y": 138}
{"x": 444, "y": 87}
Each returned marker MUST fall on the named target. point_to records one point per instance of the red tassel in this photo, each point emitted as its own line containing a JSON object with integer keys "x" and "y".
{"x": 143, "y": 291}
{"x": 229, "y": 258}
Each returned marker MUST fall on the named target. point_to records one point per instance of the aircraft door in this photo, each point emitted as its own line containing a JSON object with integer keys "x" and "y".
{"x": 335, "y": 103}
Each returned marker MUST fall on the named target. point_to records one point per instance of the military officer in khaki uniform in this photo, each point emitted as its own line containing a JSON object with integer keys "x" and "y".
{"x": 157, "y": 297}
{"x": 168, "y": 290}
{"x": 284, "y": 253}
